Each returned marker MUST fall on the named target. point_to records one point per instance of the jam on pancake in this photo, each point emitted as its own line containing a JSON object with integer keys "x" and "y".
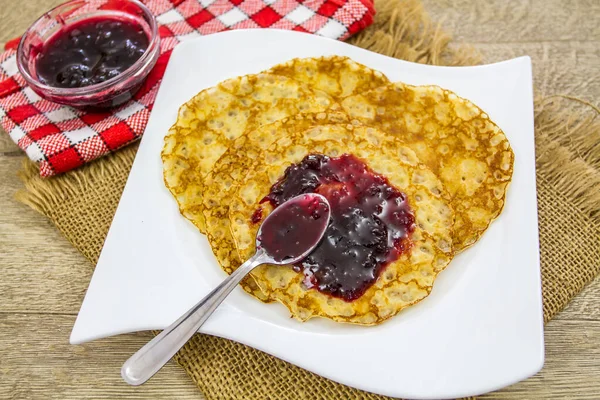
{"x": 369, "y": 227}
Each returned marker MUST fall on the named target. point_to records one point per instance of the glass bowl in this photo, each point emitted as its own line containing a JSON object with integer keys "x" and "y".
{"x": 109, "y": 93}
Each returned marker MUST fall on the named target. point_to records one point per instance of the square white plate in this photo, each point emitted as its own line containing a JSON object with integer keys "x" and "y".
{"x": 479, "y": 330}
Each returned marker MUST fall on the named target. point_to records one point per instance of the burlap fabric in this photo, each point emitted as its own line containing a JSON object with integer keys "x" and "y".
{"x": 82, "y": 204}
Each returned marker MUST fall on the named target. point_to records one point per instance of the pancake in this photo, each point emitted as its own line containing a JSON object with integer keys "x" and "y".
{"x": 454, "y": 138}
{"x": 440, "y": 153}
{"x": 403, "y": 282}
{"x": 337, "y": 76}
{"x": 208, "y": 123}
{"x": 221, "y": 182}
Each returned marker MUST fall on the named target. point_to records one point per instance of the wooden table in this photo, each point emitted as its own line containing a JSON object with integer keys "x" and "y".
{"x": 43, "y": 279}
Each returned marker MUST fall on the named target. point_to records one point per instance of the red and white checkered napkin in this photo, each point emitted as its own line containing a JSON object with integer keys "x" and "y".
{"x": 61, "y": 138}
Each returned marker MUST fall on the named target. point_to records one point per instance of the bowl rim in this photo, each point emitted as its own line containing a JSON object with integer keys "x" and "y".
{"x": 146, "y": 59}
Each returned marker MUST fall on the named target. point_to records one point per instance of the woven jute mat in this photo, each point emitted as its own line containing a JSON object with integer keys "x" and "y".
{"x": 82, "y": 204}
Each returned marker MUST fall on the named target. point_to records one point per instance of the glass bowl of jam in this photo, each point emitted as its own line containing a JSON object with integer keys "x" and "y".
{"x": 90, "y": 53}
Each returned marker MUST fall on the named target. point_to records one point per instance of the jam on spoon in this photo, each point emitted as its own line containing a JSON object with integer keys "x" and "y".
{"x": 287, "y": 233}
{"x": 370, "y": 222}
{"x": 308, "y": 213}
{"x": 90, "y": 51}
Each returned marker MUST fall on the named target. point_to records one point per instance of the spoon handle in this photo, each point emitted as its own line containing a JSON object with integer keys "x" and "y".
{"x": 149, "y": 359}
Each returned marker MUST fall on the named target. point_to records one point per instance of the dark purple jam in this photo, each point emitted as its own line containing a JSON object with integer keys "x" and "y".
{"x": 369, "y": 227}
{"x": 257, "y": 216}
{"x": 90, "y": 51}
{"x": 292, "y": 231}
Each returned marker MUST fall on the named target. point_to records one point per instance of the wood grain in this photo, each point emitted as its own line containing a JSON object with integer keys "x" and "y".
{"x": 34, "y": 256}
{"x": 584, "y": 307}
{"x": 15, "y": 17}
{"x": 39, "y": 363}
{"x": 572, "y": 364}
{"x": 43, "y": 279}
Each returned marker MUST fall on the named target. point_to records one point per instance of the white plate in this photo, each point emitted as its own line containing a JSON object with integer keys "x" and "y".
{"x": 479, "y": 330}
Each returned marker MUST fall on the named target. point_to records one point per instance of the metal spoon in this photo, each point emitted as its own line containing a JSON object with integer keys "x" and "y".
{"x": 288, "y": 248}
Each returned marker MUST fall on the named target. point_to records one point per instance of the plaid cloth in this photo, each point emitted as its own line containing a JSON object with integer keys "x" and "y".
{"x": 61, "y": 138}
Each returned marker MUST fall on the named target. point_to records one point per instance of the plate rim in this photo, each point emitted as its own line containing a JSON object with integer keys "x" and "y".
{"x": 76, "y": 337}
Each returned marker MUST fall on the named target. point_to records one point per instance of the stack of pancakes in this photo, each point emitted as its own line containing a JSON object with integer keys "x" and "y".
{"x": 232, "y": 142}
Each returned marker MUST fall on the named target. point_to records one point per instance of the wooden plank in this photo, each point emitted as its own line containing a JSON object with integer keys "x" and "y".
{"x": 7, "y": 146}
{"x": 16, "y": 16}
{"x": 40, "y": 270}
{"x": 571, "y": 367}
{"x": 39, "y": 363}
{"x": 585, "y": 306}
{"x": 517, "y": 21}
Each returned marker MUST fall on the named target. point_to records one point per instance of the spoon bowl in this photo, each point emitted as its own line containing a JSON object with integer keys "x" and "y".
{"x": 293, "y": 230}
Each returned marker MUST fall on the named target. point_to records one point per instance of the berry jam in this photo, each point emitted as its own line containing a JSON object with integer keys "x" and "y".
{"x": 90, "y": 51}
{"x": 369, "y": 227}
{"x": 292, "y": 231}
